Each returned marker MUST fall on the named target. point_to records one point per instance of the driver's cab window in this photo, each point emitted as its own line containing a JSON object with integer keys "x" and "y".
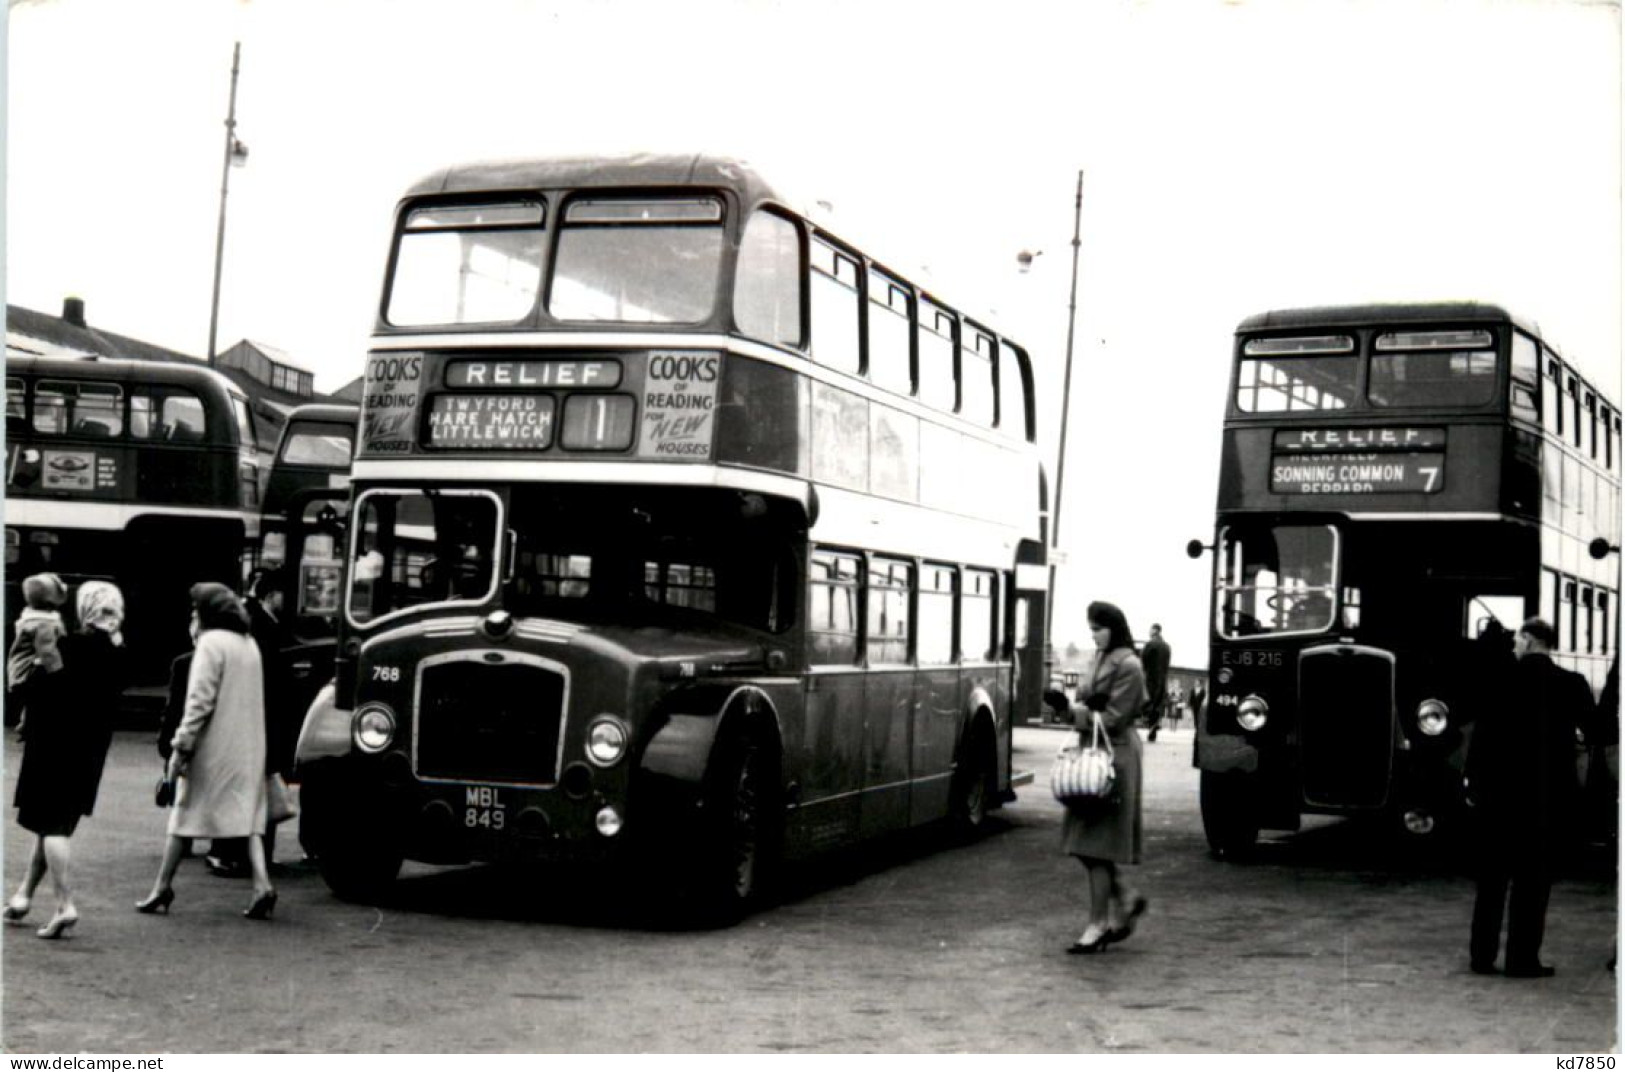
{"x": 414, "y": 548}
{"x": 1278, "y": 579}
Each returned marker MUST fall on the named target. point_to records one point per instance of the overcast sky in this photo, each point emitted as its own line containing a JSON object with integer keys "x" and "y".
{"x": 1239, "y": 156}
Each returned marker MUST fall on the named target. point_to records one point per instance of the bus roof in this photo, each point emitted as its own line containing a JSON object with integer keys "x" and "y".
{"x": 1381, "y": 313}
{"x": 342, "y": 412}
{"x": 587, "y": 172}
{"x": 122, "y": 371}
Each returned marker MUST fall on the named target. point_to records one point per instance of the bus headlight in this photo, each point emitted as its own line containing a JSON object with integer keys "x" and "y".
{"x": 606, "y": 740}
{"x": 374, "y": 728}
{"x": 1253, "y": 713}
{"x": 608, "y": 821}
{"x": 1432, "y": 717}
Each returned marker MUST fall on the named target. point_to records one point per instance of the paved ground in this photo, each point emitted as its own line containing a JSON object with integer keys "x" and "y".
{"x": 1327, "y": 943}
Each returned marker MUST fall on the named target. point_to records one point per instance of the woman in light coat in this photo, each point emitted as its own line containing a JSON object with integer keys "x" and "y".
{"x": 1105, "y": 833}
{"x": 218, "y": 752}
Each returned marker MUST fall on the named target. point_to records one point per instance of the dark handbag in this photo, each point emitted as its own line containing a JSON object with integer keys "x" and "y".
{"x": 164, "y": 795}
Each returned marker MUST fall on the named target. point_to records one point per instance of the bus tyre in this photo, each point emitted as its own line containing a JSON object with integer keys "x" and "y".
{"x": 356, "y": 870}
{"x": 972, "y": 791}
{"x": 357, "y": 863}
{"x": 1229, "y": 815}
{"x": 739, "y": 824}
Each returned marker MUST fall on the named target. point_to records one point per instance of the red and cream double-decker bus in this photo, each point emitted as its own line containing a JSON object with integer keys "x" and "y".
{"x": 680, "y": 529}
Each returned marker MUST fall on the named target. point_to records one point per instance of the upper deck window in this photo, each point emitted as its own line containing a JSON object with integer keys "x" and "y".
{"x": 767, "y": 280}
{"x": 638, "y": 260}
{"x": 937, "y": 330}
{"x": 835, "y": 311}
{"x": 326, "y": 445}
{"x": 80, "y": 408}
{"x": 1012, "y": 393}
{"x": 1432, "y": 368}
{"x": 171, "y": 414}
{"x": 1525, "y": 376}
{"x": 1297, "y": 375}
{"x": 16, "y": 406}
{"x": 467, "y": 264}
{"x": 889, "y": 332}
{"x": 976, "y": 377}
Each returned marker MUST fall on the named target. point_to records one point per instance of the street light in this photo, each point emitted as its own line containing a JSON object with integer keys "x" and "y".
{"x": 1025, "y": 260}
{"x": 236, "y": 156}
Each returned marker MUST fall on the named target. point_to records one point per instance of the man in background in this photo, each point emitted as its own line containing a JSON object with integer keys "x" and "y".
{"x": 1155, "y": 659}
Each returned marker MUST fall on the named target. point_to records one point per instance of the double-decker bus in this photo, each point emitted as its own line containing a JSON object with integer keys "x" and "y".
{"x": 142, "y": 473}
{"x": 1393, "y": 478}
{"x": 680, "y": 528}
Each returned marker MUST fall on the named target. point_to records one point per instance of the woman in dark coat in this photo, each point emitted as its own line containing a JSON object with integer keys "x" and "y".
{"x": 1105, "y": 833}
{"x": 69, "y": 730}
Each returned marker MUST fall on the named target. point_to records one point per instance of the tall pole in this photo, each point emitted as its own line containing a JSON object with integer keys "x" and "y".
{"x": 1066, "y": 401}
{"x": 225, "y": 182}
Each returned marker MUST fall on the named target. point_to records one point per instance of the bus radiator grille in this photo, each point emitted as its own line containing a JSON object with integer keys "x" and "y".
{"x": 483, "y": 723}
{"x": 1346, "y": 726}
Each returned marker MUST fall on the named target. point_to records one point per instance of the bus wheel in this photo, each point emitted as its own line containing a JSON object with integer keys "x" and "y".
{"x": 968, "y": 802}
{"x": 1229, "y": 815}
{"x": 740, "y": 842}
{"x": 357, "y": 863}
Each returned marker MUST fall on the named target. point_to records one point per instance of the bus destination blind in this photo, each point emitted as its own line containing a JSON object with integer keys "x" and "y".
{"x": 491, "y": 422}
{"x": 1356, "y": 474}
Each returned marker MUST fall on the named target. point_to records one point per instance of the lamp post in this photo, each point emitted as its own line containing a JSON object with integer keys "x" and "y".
{"x": 236, "y": 155}
{"x": 1066, "y": 401}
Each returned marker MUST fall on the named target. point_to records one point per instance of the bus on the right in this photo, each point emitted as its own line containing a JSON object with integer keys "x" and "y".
{"x": 1394, "y": 478}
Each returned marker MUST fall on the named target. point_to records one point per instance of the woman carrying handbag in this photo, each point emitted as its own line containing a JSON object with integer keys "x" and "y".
{"x": 1104, "y": 831}
{"x": 218, "y": 751}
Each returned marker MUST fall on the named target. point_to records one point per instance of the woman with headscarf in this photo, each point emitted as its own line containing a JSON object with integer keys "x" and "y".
{"x": 1105, "y": 833}
{"x": 218, "y": 755}
{"x": 69, "y": 730}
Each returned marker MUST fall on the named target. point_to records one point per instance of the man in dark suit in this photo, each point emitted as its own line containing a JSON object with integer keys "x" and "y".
{"x": 1522, "y": 788}
{"x": 1155, "y": 659}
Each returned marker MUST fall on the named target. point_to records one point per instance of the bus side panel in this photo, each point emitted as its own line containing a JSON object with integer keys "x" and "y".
{"x": 937, "y": 710}
{"x": 888, "y": 701}
{"x": 830, "y": 765}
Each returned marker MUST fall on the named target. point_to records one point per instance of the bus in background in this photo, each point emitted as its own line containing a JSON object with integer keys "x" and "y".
{"x": 1393, "y": 479}
{"x": 307, "y": 496}
{"x": 313, "y": 451}
{"x": 141, "y": 473}
{"x": 681, "y": 530}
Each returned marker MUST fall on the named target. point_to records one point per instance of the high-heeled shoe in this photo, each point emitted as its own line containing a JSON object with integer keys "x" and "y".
{"x": 262, "y": 906}
{"x": 1135, "y": 911}
{"x": 157, "y": 902}
{"x": 1100, "y": 942}
{"x": 60, "y": 924}
{"x": 15, "y": 909}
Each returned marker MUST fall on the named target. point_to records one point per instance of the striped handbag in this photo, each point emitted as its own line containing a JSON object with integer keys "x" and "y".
{"x": 1083, "y": 773}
